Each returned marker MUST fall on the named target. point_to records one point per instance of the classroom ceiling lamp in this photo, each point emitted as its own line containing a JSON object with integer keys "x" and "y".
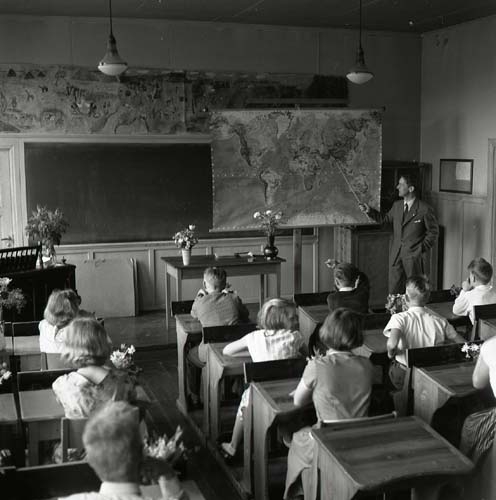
{"x": 112, "y": 63}
{"x": 360, "y": 73}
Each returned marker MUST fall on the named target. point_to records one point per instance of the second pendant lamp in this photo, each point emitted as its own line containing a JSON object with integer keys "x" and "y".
{"x": 359, "y": 73}
{"x": 112, "y": 63}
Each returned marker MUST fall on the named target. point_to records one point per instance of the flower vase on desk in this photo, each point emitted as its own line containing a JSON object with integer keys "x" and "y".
{"x": 49, "y": 255}
{"x": 270, "y": 251}
{"x": 186, "y": 256}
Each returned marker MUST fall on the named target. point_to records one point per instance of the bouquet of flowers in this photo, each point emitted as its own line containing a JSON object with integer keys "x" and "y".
{"x": 269, "y": 221}
{"x": 123, "y": 359}
{"x": 186, "y": 238}
{"x": 162, "y": 456}
{"x": 46, "y": 226}
{"x": 395, "y": 303}
{"x": 5, "y": 374}
{"x": 10, "y": 299}
{"x": 471, "y": 350}
{"x": 170, "y": 450}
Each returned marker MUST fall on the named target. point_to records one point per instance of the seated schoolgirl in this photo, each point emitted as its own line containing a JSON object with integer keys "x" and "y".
{"x": 339, "y": 383}
{"x": 87, "y": 347}
{"x": 277, "y": 338}
{"x": 62, "y": 307}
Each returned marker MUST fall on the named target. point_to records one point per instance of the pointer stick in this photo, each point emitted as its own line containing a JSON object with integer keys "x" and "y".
{"x": 351, "y": 188}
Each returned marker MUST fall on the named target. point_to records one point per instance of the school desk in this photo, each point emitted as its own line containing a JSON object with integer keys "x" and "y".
{"x": 41, "y": 412}
{"x": 218, "y": 366}
{"x": 382, "y": 456}
{"x": 433, "y": 386}
{"x": 28, "y": 350}
{"x": 310, "y": 316}
{"x": 234, "y": 266}
{"x": 270, "y": 402}
{"x": 445, "y": 309}
{"x": 487, "y": 328}
{"x": 188, "y": 331}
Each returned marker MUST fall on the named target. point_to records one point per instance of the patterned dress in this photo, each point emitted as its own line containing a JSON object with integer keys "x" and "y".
{"x": 80, "y": 397}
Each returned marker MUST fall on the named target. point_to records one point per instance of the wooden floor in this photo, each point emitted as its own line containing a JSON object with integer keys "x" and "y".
{"x": 159, "y": 379}
{"x": 148, "y": 329}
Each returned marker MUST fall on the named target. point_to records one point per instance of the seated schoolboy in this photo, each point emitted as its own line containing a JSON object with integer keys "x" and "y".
{"x": 415, "y": 328}
{"x": 352, "y": 288}
{"x": 114, "y": 450}
{"x": 476, "y": 290}
{"x": 214, "y": 305}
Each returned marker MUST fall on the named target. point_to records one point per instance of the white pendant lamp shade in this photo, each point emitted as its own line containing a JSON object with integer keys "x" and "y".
{"x": 359, "y": 73}
{"x": 112, "y": 63}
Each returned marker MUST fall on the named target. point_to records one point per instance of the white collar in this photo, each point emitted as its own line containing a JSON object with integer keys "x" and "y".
{"x": 409, "y": 203}
{"x": 483, "y": 287}
{"x": 416, "y": 308}
{"x": 346, "y": 289}
{"x": 111, "y": 488}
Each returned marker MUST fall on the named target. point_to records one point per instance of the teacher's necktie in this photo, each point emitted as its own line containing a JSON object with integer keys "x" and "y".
{"x": 405, "y": 212}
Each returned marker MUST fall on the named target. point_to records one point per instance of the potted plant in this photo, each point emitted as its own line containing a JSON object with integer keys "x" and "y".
{"x": 47, "y": 227}
{"x": 186, "y": 239}
{"x": 269, "y": 220}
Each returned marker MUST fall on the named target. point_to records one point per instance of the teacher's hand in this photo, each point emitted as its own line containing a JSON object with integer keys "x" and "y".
{"x": 364, "y": 208}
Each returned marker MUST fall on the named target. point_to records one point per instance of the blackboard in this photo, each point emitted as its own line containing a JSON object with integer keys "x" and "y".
{"x": 114, "y": 192}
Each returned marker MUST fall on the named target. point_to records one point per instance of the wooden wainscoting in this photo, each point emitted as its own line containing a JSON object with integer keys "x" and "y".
{"x": 151, "y": 280}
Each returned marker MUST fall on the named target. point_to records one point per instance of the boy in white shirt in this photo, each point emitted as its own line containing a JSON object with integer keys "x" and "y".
{"x": 476, "y": 291}
{"x": 415, "y": 328}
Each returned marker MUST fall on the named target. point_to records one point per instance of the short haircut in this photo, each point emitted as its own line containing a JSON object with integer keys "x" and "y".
{"x": 278, "y": 314}
{"x": 113, "y": 443}
{"x": 86, "y": 343}
{"x": 412, "y": 180}
{"x": 346, "y": 273}
{"x": 481, "y": 269}
{"x": 62, "y": 307}
{"x": 215, "y": 276}
{"x": 342, "y": 330}
{"x": 418, "y": 289}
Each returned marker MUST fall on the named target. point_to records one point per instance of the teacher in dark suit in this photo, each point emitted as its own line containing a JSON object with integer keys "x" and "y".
{"x": 415, "y": 230}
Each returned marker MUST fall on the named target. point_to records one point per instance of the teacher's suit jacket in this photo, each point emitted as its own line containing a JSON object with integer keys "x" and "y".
{"x": 413, "y": 236}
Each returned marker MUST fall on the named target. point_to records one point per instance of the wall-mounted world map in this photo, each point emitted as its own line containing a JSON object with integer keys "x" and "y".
{"x": 313, "y": 165}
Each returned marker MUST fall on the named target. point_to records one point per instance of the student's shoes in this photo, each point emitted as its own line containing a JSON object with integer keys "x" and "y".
{"x": 228, "y": 450}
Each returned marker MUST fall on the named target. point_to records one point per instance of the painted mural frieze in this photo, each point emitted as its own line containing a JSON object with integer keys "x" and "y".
{"x": 73, "y": 100}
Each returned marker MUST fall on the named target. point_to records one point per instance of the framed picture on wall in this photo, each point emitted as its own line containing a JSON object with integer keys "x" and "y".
{"x": 456, "y": 176}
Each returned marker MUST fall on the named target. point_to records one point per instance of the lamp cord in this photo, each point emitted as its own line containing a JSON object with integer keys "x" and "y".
{"x": 110, "y": 16}
{"x": 359, "y": 31}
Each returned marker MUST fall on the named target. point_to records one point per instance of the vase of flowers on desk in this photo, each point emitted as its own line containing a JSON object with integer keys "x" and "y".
{"x": 186, "y": 239}
{"x": 47, "y": 227}
{"x": 269, "y": 220}
{"x": 9, "y": 299}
